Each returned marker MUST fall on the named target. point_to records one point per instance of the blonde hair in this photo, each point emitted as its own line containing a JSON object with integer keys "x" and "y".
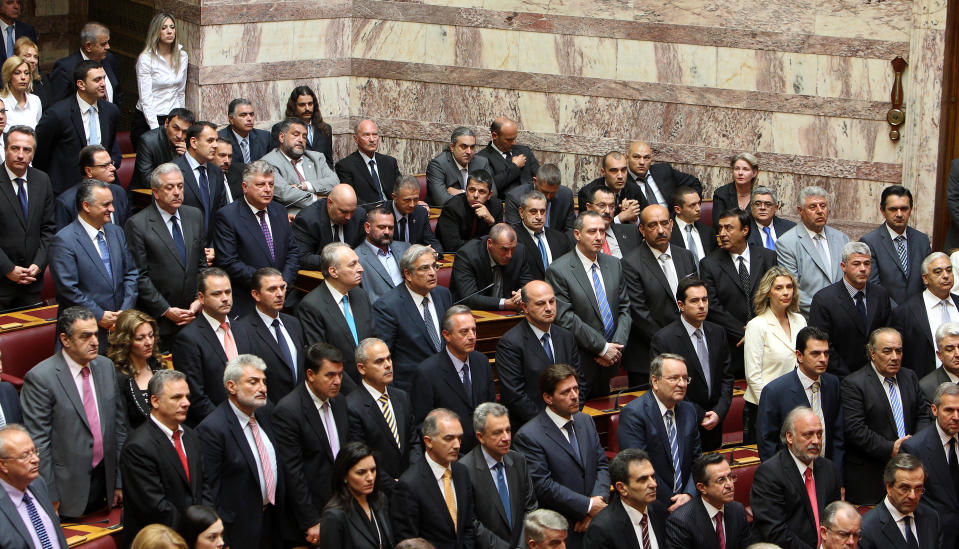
{"x": 153, "y": 38}
{"x": 761, "y": 299}
{"x": 21, "y": 44}
{"x": 748, "y": 158}
{"x": 6, "y": 72}
{"x": 158, "y": 536}
{"x": 121, "y": 339}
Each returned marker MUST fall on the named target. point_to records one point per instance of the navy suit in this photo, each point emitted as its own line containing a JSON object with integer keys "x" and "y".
{"x": 612, "y": 528}
{"x": 66, "y": 206}
{"x": 354, "y": 171}
{"x": 910, "y": 318}
{"x": 834, "y": 311}
{"x": 642, "y": 426}
{"x": 10, "y": 403}
{"x": 941, "y": 494}
{"x": 690, "y": 526}
{"x": 880, "y": 531}
{"x": 20, "y": 29}
{"x": 418, "y": 508}
{"x": 887, "y": 270}
{"x": 399, "y": 323}
{"x": 281, "y": 376}
{"x": 14, "y": 532}
{"x": 192, "y": 197}
{"x": 780, "y": 225}
{"x": 63, "y": 85}
{"x": 418, "y": 229}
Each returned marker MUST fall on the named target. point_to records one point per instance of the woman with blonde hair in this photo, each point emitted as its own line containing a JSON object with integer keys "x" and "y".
{"x": 40, "y": 84}
{"x": 23, "y": 107}
{"x": 770, "y": 347}
{"x": 136, "y": 355}
{"x": 737, "y": 193}
{"x": 158, "y": 536}
{"x": 161, "y": 76}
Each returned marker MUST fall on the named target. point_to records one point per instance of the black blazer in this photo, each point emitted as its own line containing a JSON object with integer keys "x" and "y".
{"x": 630, "y": 191}
{"x": 191, "y": 192}
{"x": 669, "y": 179}
{"x": 651, "y": 302}
{"x": 280, "y": 378}
{"x": 455, "y": 227}
{"x": 835, "y": 312}
{"x": 323, "y": 321}
{"x": 10, "y": 403}
{"x": 731, "y": 305}
{"x": 419, "y": 228}
{"x": 611, "y": 528}
{"x": 786, "y": 392}
{"x": 932, "y": 381}
{"x": 399, "y": 323}
{"x": 436, "y": 385}
{"x": 258, "y": 139}
{"x": 871, "y": 428}
{"x": 556, "y": 241}
{"x": 520, "y": 359}
{"x": 154, "y": 149}
{"x": 322, "y": 140}
{"x": 25, "y": 242}
{"x": 725, "y": 198}
{"x": 561, "y": 212}
{"x": 917, "y": 343}
{"x": 879, "y": 530}
{"x": 472, "y": 272}
{"x": 367, "y": 425}
{"x": 312, "y": 230}
{"x": 304, "y": 446}
{"x": 492, "y": 529}
{"x": 61, "y": 77}
{"x": 349, "y": 530}
{"x": 940, "y": 493}
{"x": 418, "y": 508}
{"x": 689, "y": 526}
{"x": 782, "y": 513}
{"x": 65, "y": 208}
{"x": 706, "y": 234}
{"x": 887, "y": 269}
{"x": 506, "y": 174}
{"x": 780, "y": 225}
{"x": 20, "y": 29}
{"x": 354, "y": 171}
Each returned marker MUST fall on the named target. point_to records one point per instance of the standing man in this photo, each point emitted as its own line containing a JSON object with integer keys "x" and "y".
{"x": 161, "y": 145}
{"x": 249, "y": 143}
{"x": 447, "y": 173}
{"x": 12, "y": 27}
{"x": 203, "y": 182}
{"x": 371, "y": 174}
{"x": 767, "y": 227}
{"x": 559, "y": 199}
{"x": 511, "y": 164}
{"x": 489, "y": 271}
{"x": 302, "y": 175}
{"x": 660, "y": 180}
{"x": 899, "y": 521}
{"x": 618, "y": 238}
{"x": 94, "y": 46}
{"x": 947, "y": 349}
{"x": 94, "y": 164}
{"x": 412, "y": 218}
{"x": 691, "y": 233}
{"x": 380, "y": 254}
{"x": 335, "y": 218}
{"x": 542, "y": 244}
{"x": 628, "y": 198}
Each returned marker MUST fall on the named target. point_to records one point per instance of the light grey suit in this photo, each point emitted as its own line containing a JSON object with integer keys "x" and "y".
{"x": 799, "y": 255}
{"x": 376, "y": 281}
{"x": 53, "y": 415}
{"x": 443, "y": 171}
{"x": 14, "y": 533}
{"x": 286, "y": 189}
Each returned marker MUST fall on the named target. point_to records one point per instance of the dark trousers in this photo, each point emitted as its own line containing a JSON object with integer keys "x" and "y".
{"x": 750, "y": 411}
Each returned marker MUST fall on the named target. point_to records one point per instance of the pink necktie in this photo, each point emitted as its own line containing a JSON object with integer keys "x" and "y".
{"x": 811, "y": 490}
{"x": 330, "y": 432}
{"x": 93, "y": 417}
{"x": 229, "y": 346}
{"x": 265, "y": 461}
{"x": 720, "y": 534}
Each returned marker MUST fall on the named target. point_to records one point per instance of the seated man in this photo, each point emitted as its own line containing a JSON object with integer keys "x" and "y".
{"x": 470, "y": 214}
{"x": 372, "y": 175}
{"x": 232, "y": 177}
{"x": 379, "y": 254}
{"x": 688, "y": 231}
{"x": 628, "y": 198}
{"x": 511, "y": 164}
{"x": 335, "y": 218}
{"x": 543, "y": 529}
{"x": 947, "y": 349}
{"x": 161, "y": 145}
{"x": 559, "y": 199}
{"x": 94, "y": 164}
{"x": 446, "y": 173}
{"x": 542, "y": 244}
{"x": 767, "y": 227}
{"x": 904, "y": 477}
{"x": 301, "y": 175}
{"x": 658, "y": 181}
{"x": 412, "y": 218}
{"x": 488, "y": 272}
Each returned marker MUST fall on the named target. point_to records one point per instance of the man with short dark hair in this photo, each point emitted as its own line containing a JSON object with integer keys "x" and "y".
{"x": 542, "y": 244}
{"x": 95, "y": 163}
{"x": 380, "y": 254}
{"x": 767, "y": 227}
{"x": 447, "y": 172}
{"x": 94, "y": 46}
{"x": 618, "y": 239}
{"x": 628, "y": 199}
{"x": 335, "y": 218}
{"x": 511, "y": 164}
{"x": 471, "y": 215}
{"x": 690, "y": 232}
{"x": 233, "y": 178}
{"x": 899, "y": 521}
{"x": 412, "y": 218}
{"x": 250, "y": 143}
{"x": 301, "y": 175}
{"x": 372, "y": 174}
{"x": 161, "y": 145}
{"x": 203, "y": 182}
{"x": 489, "y": 271}
{"x": 559, "y": 199}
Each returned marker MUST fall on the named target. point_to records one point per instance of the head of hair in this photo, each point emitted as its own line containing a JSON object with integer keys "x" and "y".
{"x": 894, "y": 190}
{"x": 749, "y": 158}
{"x": 583, "y": 216}
{"x": 656, "y": 365}
{"x": 414, "y": 543}
{"x": 158, "y": 536}
{"x": 548, "y": 174}
{"x": 207, "y": 273}
{"x": 487, "y": 409}
{"x": 944, "y": 389}
{"x": 255, "y": 168}
{"x": 679, "y": 195}
{"x": 461, "y": 131}
{"x": 318, "y": 352}
{"x": 807, "y": 333}
{"x": 789, "y": 422}
{"x": 91, "y": 31}
{"x": 854, "y": 248}
{"x": 380, "y": 209}
{"x": 156, "y": 176}
{"x": 552, "y": 376}
{"x": 483, "y": 177}
{"x": 601, "y": 189}
{"x": 362, "y": 349}
{"x": 183, "y": 114}
{"x": 350, "y": 454}
{"x": 330, "y": 254}
{"x": 87, "y": 153}
{"x": 159, "y": 380}
{"x": 406, "y": 182}
{"x": 924, "y": 267}
{"x": 412, "y": 255}
{"x": 446, "y": 324}
{"x": 194, "y": 521}
{"x": 197, "y": 128}
{"x": 766, "y": 283}
{"x": 831, "y": 512}
{"x": 619, "y": 465}
{"x": 872, "y": 345}
{"x": 702, "y": 462}
{"x": 317, "y": 118}
{"x": 762, "y": 189}
{"x": 261, "y": 273}
{"x": 236, "y": 102}
{"x": 529, "y": 195}
{"x": 6, "y": 71}
{"x": 539, "y": 521}
{"x": 233, "y": 371}
{"x": 121, "y": 338}
{"x": 431, "y": 424}
{"x": 21, "y": 44}
{"x": 812, "y": 190}
{"x": 901, "y": 462}
{"x": 20, "y": 128}
{"x": 83, "y": 68}
{"x": 289, "y": 122}
{"x": 502, "y": 230}
{"x": 617, "y": 155}
{"x": 152, "y": 44}
{"x": 685, "y": 284}
{"x": 69, "y": 316}
{"x": 85, "y": 192}
{"x": 745, "y": 217}
{"x": 946, "y": 329}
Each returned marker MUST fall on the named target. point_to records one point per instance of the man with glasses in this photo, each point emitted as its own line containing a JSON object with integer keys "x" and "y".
{"x": 840, "y": 526}
{"x": 898, "y": 521}
{"x": 767, "y": 227}
{"x": 27, "y": 518}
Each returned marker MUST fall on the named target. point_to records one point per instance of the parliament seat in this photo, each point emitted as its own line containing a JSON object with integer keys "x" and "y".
{"x": 733, "y": 424}
{"x": 706, "y": 212}
{"x": 49, "y": 293}
{"x": 25, "y": 348}
{"x": 421, "y": 179}
{"x": 126, "y": 146}
{"x": 125, "y": 173}
{"x": 443, "y": 276}
{"x": 612, "y": 439}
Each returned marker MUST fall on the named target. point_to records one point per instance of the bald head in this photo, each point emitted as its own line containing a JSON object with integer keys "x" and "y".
{"x": 341, "y": 203}
{"x": 656, "y": 226}
{"x": 503, "y": 132}
{"x": 640, "y": 157}
{"x": 367, "y": 137}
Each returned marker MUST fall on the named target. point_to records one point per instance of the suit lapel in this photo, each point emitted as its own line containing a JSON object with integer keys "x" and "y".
{"x": 13, "y": 517}
{"x": 84, "y": 241}
{"x": 848, "y": 306}
{"x": 585, "y": 283}
{"x": 889, "y": 247}
{"x": 552, "y": 431}
{"x": 374, "y": 262}
{"x": 266, "y": 335}
{"x": 6, "y": 189}
{"x": 374, "y": 411}
{"x": 889, "y": 527}
{"x": 774, "y": 329}
{"x": 155, "y": 219}
{"x": 77, "y": 118}
{"x": 106, "y": 128}
{"x": 452, "y": 379}
{"x": 701, "y": 523}
{"x": 654, "y": 267}
{"x": 484, "y": 473}
{"x": 813, "y": 252}
{"x": 626, "y": 528}
{"x": 726, "y": 264}
{"x": 312, "y": 416}
{"x": 69, "y": 387}
{"x": 357, "y": 523}
{"x": 252, "y": 226}
{"x": 240, "y": 440}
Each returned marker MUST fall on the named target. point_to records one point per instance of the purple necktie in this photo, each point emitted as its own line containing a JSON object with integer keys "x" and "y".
{"x": 266, "y": 233}
{"x": 93, "y": 417}
{"x": 330, "y": 425}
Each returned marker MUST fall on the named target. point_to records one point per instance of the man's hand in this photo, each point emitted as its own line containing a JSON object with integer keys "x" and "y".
{"x": 313, "y": 534}
{"x": 582, "y": 525}
{"x": 180, "y": 147}
{"x": 513, "y": 302}
{"x": 33, "y": 270}
{"x": 21, "y": 275}
{"x": 117, "y": 497}
{"x": 598, "y": 504}
{"x": 898, "y": 443}
{"x": 196, "y": 306}
{"x": 178, "y": 316}
{"x": 519, "y": 160}
{"x": 710, "y": 421}
{"x": 209, "y": 255}
{"x": 678, "y": 500}
{"x": 454, "y": 191}
{"x": 614, "y": 352}
{"x": 108, "y": 319}
{"x": 483, "y": 213}
{"x": 603, "y": 362}
{"x": 628, "y": 211}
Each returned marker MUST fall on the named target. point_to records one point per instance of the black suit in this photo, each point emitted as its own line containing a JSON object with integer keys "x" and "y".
{"x": 880, "y": 531}
{"x": 932, "y": 381}
{"x": 20, "y": 29}
{"x": 493, "y": 531}
{"x": 313, "y": 231}
{"x": 259, "y": 142}
{"x": 690, "y": 526}
{"x": 304, "y": 446}
{"x": 437, "y": 385}
{"x": 781, "y": 509}
{"x": 725, "y": 198}
{"x": 322, "y": 141}
{"x": 153, "y": 149}
{"x": 780, "y": 225}
{"x": 612, "y": 528}
{"x": 24, "y": 242}
{"x": 351, "y": 530}
{"x": 669, "y": 179}
{"x": 472, "y": 273}
{"x": 506, "y": 174}
{"x": 630, "y": 191}
{"x": 280, "y": 377}
{"x": 706, "y": 235}
{"x": 191, "y": 192}
{"x": 835, "y": 312}
{"x": 560, "y": 208}
{"x": 911, "y": 320}
{"x": 368, "y": 425}
{"x": 323, "y": 321}
{"x": 458, "y": 223}
{"x": 556, "y": 241}
{"x": 418, "y": 508}
{"x": 941, "y": 493}
{"x": 355, "y": 172}
{"x": 10, "y": 403}
{"x": 871, "y": 428}
{"x": 418, "y": 229}
{"x": 65, "y": 208}
{"x": 61, "y": 78}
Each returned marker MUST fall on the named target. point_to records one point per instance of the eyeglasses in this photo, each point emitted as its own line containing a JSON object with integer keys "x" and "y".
{"x": 427, "y": 268}
{"x": 728, "y": 478}
{"x": 676, "y": 379}
{"x": 844, "y": 534}
{"x": 26, "y": 456}
{"x": 763, "y": 204}
{"x": 906, "y": 489}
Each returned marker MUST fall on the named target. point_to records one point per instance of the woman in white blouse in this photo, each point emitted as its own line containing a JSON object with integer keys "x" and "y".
{"x": 770, "y": 346}
{"x": 23, "y": 107}
{"x": 30, "y": 52}
{"x": 161, "y": 76}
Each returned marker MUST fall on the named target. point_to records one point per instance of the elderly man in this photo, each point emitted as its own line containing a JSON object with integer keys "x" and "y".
{"x": 412, "y": 218}
{"x": 372, "y": 175}
{"x": 95, "y": 46}
{"x": 947, "y": 349}
{"x": 488, "y": 272}
{"x": 335, "y": 218}
{"x": 545, "y": 529}
{"x": 899, "y": 521}
{"x": 510, "y": 163}
{"x": 301, "y": 174}
{"x": 840, "y": 526}
{"x": 767, "y": 227}
{"x": 447, "y": 172}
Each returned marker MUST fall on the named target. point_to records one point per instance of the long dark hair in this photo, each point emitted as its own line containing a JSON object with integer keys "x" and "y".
{"x": 349, "y": 456}
{"x": 317, "y": 119}
{"x": 194, "y": 521}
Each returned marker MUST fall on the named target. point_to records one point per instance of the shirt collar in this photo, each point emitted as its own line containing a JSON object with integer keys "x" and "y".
{"x": 882, "y": 378}
{"x": 951, "y": 377}
{"x": 896, "y": 515}
{"x": 192, "y": 162}
{"x": 89, "y": 229}
{"x": 16, "y": 496}
{"x": 942, "y": 435}
{"x": 366, "y": 159}
{"x": 75, "y": 367}
{"x": 690, "y": 329}
{"x": 490, "y": 460}
{"x": 530, "y": 231}
{"x": 852, "y": 291}
{"x": 214, "y": 323}
{"x": 657, "y": 253}
{"x": 536, "y": 331}
{"x": 165, "y": 215}
{"x": 587, "y": 263}
{"x": 458, "y": 364}
{"x": 710, "y": 510}
{"x": 495, "y": 148}
{"x": 240, "y": 416}
{"x": 662, "y": 407}
{"x": 267, "y": 319}
{"x": 745, "y": 255}
{"x": 802, "y": 466}
{"x": 437, "y": 469}
{"x": 376, "y": 249}
{"x": 634, "y": 515}
{"x": 682, "y": 224}
{"x": 166, "y": 430}
{"x": 84, "y": 106}
{"x": 13, "y": 176}
{"x": 812, "y": 234}
{"x": 337, "y": 296}
{"x": 239, "y": 138}
{"x": 317, "y": 401}
{"x": 417, "y": 298}
{"x": 373, "y": 391}
{"x": 560, "y": 422}
{"x": 805, "y": 380}
{"x": 931, "y": 300}
{"x": 894, "y": 235}
{"x": 397, "y": 215}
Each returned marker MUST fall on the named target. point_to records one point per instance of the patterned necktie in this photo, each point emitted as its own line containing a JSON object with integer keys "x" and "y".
{"x": 229, "y": 345}
{"x": 376, "y": 180}
{"x": 691, "y": 244}
{"x": 503, "y": 490}
{"x": 813, "y": 500}
{"x": 816, "y": 404}
{"x": 35, "y": 519}
{"x": 331, "y": 433}
{"x": 93, "y": 127}
{"x": 703, "y": 354}
{"x": 861, "y": 307}
{"x": 606, "y": 249}
{"x": 384, "y": 401}
{"x": 770, "y": 243}
{"x": 268, "y": 480}
{"x": 178, "y": 446}
{"x": 299, "y": 176}
{"x": 284, "y": 347}
{"x": 744, "y": 276}
{"x": 548, "y": 348}
{"x": 93, "y": 416}
{"x": 644, "y": 526}
{"x": 720, "y": 534}
{"x": 178, "y": 239}
{"x": 901, "y": 252}
{"x": 674, "y": 452}
{"x": 104, "y": 253}
{"x": 608, "y": 326}
{"x": 896, "y": 407}
{"x": 348, "y": 315}
{"x": 245, "y": 149}
{"x": 22, "y": 195}
{"x": 430, "y": 328}
{"x": 448, "y": 496}
{"x": 267, "y": 235}
{"x": 541, "y": 244}
{"x": 573, "y": 441}
{"x": 911, "y": 541}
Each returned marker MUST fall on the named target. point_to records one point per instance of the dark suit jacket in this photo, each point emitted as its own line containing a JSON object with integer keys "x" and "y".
{"x": 323, "y": 321}
{"x": 941, "y": 494}
{"x": 651, "y": 302}
{"x": 493, "y": 530}
{"x": 14, "y": 532}
{"x": 724, "y": 198}
{"x": 786, "y": 392}
{"x": 354, "y": 171}
{"x": 322, "y": 141}
{"x": 258, "y": 139}
{"x": 304, "y": 445}
{"x": 520, "y": 359}
{"x": 932, "y": 381}
{"x": 630, "y": 191}
{"x": 917, "y": 342}
{"x": 10, "y": 403}
{"x": 241, "y": 248}
{"x": 871, "y": 429}
{"x": 706, "y": 234}
{"x": 835, "y": 312}
{"x": 437, "y": 385}
{"x": 20, "y": 29}
{"x": 350, "y": 531}
{"x": 472, "y": 272}
{"x": 154, "y": 149}
{"x": 156, "y": 488}
{"x": 887, "y": 270}
{"x": 165, "y": 280}
{"x": 689, "y": 526}
{"x": 879, "y": 530}
{"x": 367, "y": 425}
{"x": 61, "y": 77}
{"x": 25, "y": 242}
{"x": 642, "y": 426}
{"x": 399, "y": 323}
{"x": 418, "y": 508}
{"x": 556, "y": 241}
{"x": 780, "y": 225}
{"x": 198, "y": 353}
{"x": 66, "y": 205}
{"x": 458, "y": 222}
{"x": 279, "y": 373}
{"x": 419, "y": 228}
{"x": 312, "y": 230}
{"x": 669, "y": 179}
{"x": 612, "y": 528}
{"x": 781, "y": 509}
{"x": 191, "y": 193}
{"x": 560, "y": 208}
{"x": 506, "y": 174}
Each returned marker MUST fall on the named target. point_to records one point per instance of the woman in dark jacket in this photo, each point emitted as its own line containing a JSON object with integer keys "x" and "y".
{"x": 136, "y": 355}
{"x": 356, "y": 517}
{"x": 736, "y": 194}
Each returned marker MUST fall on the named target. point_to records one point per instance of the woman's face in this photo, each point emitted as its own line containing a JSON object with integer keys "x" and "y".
{"x": 143, "y": 340}
{"x": 743, "y": 172}
{"x": 212, "y": 537}
{"x": 168, "y": 31}
{"x": 20, "y": 78}
{"x": 31, "y": 56}
{"x": 362, "y": 476}
{"x": 781, "y": 294}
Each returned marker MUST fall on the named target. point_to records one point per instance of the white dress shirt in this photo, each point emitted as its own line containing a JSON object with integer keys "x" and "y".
{"x": 13, "y": 184}
{"x": 712, "y": 512}
{"x": 901, "y": 520}
{"x": 270, "y": 451}
{"x": 614, "y": 249}
{"x": 27, "y": 115}
{"x": 490, "y": 464}
{"x": 933, "y": 307}
{"x": 85, "y": 118}
{"x": 169, "y": 433}
{"x": 652, "y": 183}
{"x": 331, "y": 431}
{"x": 161, "y": 88}
{"x": 256, "y": 213}
{"x": 697, "y": 242}
{"x": 217, "y": 330}
{"x": 536, "y": 237}
{"x": 746, "y": 258}
{"x": 634, "y": 518}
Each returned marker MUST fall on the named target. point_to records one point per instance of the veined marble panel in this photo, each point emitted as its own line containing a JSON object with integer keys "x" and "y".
{"x": 275, "y": 41}
{"x": 862, "y": 19}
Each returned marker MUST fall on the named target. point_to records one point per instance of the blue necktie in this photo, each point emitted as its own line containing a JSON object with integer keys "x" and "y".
{"x": 542, "y": 250}
{"x": 37, "y": 522}
{"x": 901, "y": 252}
{"x": 284, "y": 348}
{"x": 10, "y": 40}
{"x": 503, "y": 491}
{"x": 548, "y": 348}
{"x": 573, "y": 441}
{"x": 349, "y": 318}
{"x": 674, "y": 450}
{"x": 911, "y": 541}
{"x": 178, "y": 239}
{"x": 204, "y": 185}
{"x": 548, "y": 204}
{"x": 603, "y": 302}
{"x": 896, "y": 407}
{"x": 770, "y": 243}
{"x": 309, "y": 134}
{"x": 94, "y": 128}
{"x": 22, "y": 195}
{"x": 376, "y": 179}
{"x": 104, "y": 253}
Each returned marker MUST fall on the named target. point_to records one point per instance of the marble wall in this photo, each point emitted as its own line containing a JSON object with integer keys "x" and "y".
{"x": 804, "y": 85}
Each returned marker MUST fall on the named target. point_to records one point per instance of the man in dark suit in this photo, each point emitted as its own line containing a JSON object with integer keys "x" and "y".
{"x": 591, "y": 302}
{"x": 882, "y": 407}
{"x": 379, "y": 254}
{"x": 850, "y": 310}
{"x": 732, "y": 275}
{"x": 90, "y": 261}
{"x": 544, "y": 528}
{"x": 919, "y": 316}
{"x": 407, "y": 317}
{"x": 161, "y": 145}
{"x": 652, "y": 271}
{"x": 657, "y": 419}
{"x": 335, "y": 218}
{"x": 470, "y": 214}
{"x": 941, "y": 468}
{"x": 618, "y": 238}
{"x": 277, "y": 337}
{"x": 13, "y": 29}
{"x": 95, "y": 163}
{"x": 565, "y": 457}
{"x": 232, "y": 179}
{"x": 559, "y": 199}
{"x": 161, "y": 463}
{"x": 68, "y": 126}
{"x": 249, "y": 143}
{"x": 371, "y": 174}
{"x": 458, "y": 378}
{"x": 947, "y": 349}
{"x": 338, "y": 311}
{"x": 311, "y": 426}
{"x": 628, "y": 199}
{"x": 897, "y": 249}
{"x": 489, "y": 271}
{"x": 202, "y": 348}
{"x": 712, "y": 520}
{"x": 689, "y": 232}
{"x": 9, "y": 403}
{"x": 94, "y": 46}
{"x": 446, "y": 173}
{"x": 899, "y": 522}
{"x": 542, "y": 245}
{"x": 808, "y": 385}
{"x": 434, "y": 497}
{"x": 791, "y": 489}
{"x": 254, "y": 232}
{"x": 412, "y": 219}
{"x": 659, "y": 180}
{"x": 76, "y": 418}
{"x": 167, "y": 242}
{"x": 203, "y": 183}
{"x": 25, "y": 494}
{"x": 634, "y": 481}
{"x": 703, "y": 345}
{"x": 530, "y": 347}
{"x": 502, "y": 488}
{"x": 767, "y": 226}
{"x": 26, "y": 221}
{"x": 511, "y": 164}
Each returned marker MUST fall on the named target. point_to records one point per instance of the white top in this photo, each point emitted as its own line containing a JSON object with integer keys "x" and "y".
{"x": 25, "y": 116}
{"x": 934, "y": 307}
{"x": 634, "y": 518}
{"x": 161, "y": 89}
{"x": 768, "y": 352}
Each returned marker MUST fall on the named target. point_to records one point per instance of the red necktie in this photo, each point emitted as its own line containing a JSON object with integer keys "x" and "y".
{"x": 179, "y": 450}
{"x": 719, "y": 530}
{"x": 296, "y": 171}
{"x": 811, "y": 490}
{"x": 644, "y": 522}
{"x": 606, "y": 246}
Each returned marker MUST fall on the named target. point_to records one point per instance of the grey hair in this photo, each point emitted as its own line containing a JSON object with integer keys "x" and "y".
{"x": 945, "y": 389}
{"x": 924, "y": 267}
{"x": 901, "y": 462}
{"x": 5, "y": 432}
{"x": 656, "y": 365}
{"x": 946, "y": 329}
{"x": 447, "y": 322}
{"x": 494, "y": 409}
{"x": 257, "y": 167}
{"x": 431, "y": 425}
{"x": 530, "y": 195}
{"x": 461, "y": 131}
{"x": 761, "y": 189}
{"x": 91, "y": 31}
{"x": 812, "y": 190}
{"x": 502, "y": 230}
{"x": 362, "y": 349}
{"x": 161, "y": 170}
{"x": 330, "y": 254}
{"x": 406, "y": 181}
{"x": 540, "y": 520}
{"x": 854, "y": 248}
{"x": 581, "y": 218}
{"x": 412, "y": 255}
{"x": 832, "y": 510}
{"x": 871, "y": 344}
{"x": 549, "y": 175}
{"x": 231, "y": 110}
{"x": 790, "y": 421}
{"x": 234, "y": 368}
{"x": 159, "y": 380}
